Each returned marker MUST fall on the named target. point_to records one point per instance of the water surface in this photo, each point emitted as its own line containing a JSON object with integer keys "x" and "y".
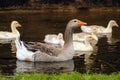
{"x": 104, "y": 59}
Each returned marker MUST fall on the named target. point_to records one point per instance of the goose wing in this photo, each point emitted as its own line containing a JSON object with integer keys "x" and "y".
{"x": 99, "y": 28}
{"x": 44, "y": 48}
{"x": 5, "y": 35}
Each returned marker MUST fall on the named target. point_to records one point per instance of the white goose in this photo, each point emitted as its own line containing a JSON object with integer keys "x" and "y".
{"x": 81, "y": 36}
{"x": 13, "y": 34}
{"x": 42, "y": 52}
{"x": 54, "y": 39}
{"x": 86, "y": 46}
{"x": 101, "y": 29}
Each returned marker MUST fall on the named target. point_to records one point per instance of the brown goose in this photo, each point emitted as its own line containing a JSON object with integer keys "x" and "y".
{"x": 43, "y": 52}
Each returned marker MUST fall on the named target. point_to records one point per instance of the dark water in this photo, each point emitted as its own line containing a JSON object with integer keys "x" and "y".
{"x": 104, "y": 59}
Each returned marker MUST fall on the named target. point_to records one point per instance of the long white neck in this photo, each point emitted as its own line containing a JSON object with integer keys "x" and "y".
{"x": 109, "y": 26}
{"x": 15, "y": 31}
{"x": 87, "y": 43}
{"x": 94, "y": 35}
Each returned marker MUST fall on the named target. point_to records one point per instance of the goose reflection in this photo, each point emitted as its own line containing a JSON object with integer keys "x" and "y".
{"x": 94, "y": 52}
{"x": 45, "y": 67}
{"x": 89, "y": 60}
{"x": 6, "y": 41}
{"x": 13, "y": 47}
{"x": 111, "y": 40}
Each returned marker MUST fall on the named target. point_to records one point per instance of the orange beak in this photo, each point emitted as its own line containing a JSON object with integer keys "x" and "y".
{"x": 19, "y": 25}
{"x": 93, "y": 38}
{"x": 116, "y": 25}
{"x": 80, "y": 23}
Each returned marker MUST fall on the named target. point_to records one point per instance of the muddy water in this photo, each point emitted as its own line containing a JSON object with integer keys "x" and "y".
{"x": 104, "y": 59}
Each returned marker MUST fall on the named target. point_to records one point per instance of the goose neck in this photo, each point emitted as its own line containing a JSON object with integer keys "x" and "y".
{"x": 14, "y": 30}
{"x": 68, "y": 37}
{"x": 87, "y": 43}
{"x": 109, "y": 26}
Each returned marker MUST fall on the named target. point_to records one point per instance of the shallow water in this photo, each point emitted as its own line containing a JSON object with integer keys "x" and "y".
{"x": 104, "y": 59}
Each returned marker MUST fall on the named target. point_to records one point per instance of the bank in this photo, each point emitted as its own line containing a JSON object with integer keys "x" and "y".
{"x": 63, "y": 76}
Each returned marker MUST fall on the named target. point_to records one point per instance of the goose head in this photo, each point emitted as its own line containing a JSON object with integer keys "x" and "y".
{"x": 90, "y": 37}
{"x": 113, "y": 23}
{"x": 75, "y": 23}
{"x": 15, "y": 24}
{"x": 68, "y": 36}
{"x": 61, "y": 40}
{"x": 60, "y": 36}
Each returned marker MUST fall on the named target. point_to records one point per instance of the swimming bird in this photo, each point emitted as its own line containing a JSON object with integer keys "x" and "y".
{"x": 54, "y": 39}
{"x": 101, "y": 29}
{"x": 13, "y": 34}
{"x": 41, "y": 52}
{"x": 86, "y": 46}
{"x": 81, "y": 36}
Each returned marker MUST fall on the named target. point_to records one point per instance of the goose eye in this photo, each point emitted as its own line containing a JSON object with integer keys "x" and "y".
{"x": 75, "y": 21}
{"x": 113, "y": 23}
{"x": 90, "y": 37}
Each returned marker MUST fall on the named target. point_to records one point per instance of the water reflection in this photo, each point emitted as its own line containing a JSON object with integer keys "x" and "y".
{"x": 5, "y": 41}
{"x": 13, "y": 46}
{"x": 111, "y": 40}
{"x": 89, "y": 60}
{"x": 7, "y": 66}
{"x": 45, "y": 67}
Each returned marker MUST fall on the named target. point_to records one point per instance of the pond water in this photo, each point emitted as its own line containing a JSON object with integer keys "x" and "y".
{"x": 104, "y": 59}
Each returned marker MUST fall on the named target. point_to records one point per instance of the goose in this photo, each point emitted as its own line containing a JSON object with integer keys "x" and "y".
{"x": 86, "y": 46}
{"x": 13, "y": 34}
{"x": 54, "y": 39}
{"x": 81, "y": 36}
{"x": 58, "y": 39}
{"x": 101, "y": 29}
{"x": 41, "y": 52}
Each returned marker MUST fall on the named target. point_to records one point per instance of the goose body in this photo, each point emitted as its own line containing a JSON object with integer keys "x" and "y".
{"x": 42, "y": 52}
{"x": 101, "y": 29}
{"x": 86, "y": 46}
{"x": 76, "y": 37}
{"x": 13, "y": 34}
{"x": 6, "y": 35}
{"x": 81, "y": 36}
{"x": 54, "y": 39}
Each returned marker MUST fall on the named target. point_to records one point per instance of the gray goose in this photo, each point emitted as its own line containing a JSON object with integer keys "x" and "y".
{"x": 37, "y": 51}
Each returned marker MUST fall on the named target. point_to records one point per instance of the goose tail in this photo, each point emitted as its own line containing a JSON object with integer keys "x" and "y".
{"x": 19, "y": 44}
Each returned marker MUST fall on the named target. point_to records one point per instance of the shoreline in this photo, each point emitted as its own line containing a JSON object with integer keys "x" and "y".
{"x": 59, "y": 9}
{"x": 62, "y": 76}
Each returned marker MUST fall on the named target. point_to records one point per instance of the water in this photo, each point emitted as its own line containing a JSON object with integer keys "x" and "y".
{"x": 104, "y": 59}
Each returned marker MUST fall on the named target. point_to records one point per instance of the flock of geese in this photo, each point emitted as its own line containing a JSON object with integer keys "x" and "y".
{"x": 68, "y": 44}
